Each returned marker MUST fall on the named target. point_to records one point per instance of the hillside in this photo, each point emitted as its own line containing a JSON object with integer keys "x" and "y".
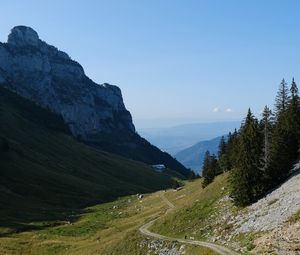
{"x": 193, "y": 156}
{"x": 277, "y": 215}
{"x": 95, "y": 113}
{"x": 269, "y": 226}
{"x": 45, "y": 173}
{"x": 106, "y": 229}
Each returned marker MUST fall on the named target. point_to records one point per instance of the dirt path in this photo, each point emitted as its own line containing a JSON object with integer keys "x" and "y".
{"x": 215, "y": 247}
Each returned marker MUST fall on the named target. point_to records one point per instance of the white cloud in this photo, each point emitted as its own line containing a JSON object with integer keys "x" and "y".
{"x": 216, "y": 109}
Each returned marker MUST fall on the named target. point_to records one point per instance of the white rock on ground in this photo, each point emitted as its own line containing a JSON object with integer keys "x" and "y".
{"x": 274, "y": 209}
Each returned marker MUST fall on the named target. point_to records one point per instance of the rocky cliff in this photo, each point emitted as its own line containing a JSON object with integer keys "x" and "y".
{"x": 94, "y": 113}
{"x": 49, "y": 77}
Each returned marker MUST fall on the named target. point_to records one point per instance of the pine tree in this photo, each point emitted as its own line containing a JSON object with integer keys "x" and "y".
{"x": 206, "y": 173}
{"x": 282, "y": 98}
{"x": 209, "y": 169}
{"x": 283, "y": 152}
{"x": 223, "y": 156}
{"x": 294, "y": 89}
{"x": 232, "y": 148}
{"x": 246, "y": 177}
{"x": 293, "y": 110}
{"x": 222, "y": 147}
{"x": 214, "y": 164}
{"x": 285, "y": 141}
{"x": 267, "y": 125}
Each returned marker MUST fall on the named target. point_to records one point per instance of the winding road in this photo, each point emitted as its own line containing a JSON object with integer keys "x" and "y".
{"x": 215, "y": 247}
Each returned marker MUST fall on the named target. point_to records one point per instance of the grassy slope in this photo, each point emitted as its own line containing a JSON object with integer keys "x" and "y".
{"x": 46, "y": 173}
{"x": 196, "y": 210}
{"x": 106, "y": 229}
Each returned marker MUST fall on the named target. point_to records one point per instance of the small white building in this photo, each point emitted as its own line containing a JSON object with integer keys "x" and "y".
{"x": 159, "y": 167}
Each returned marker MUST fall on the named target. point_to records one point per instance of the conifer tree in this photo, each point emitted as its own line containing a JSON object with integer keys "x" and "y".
{"x": 282, "y": 98}
{"x": 246, "y": 177}
{"x": 293, "y": 110}
{"x": 285, "y": 141}
{"x": 294, "y": 89}
{"x": 283, "y": 152}
{"x": 222, "y": 147}
{"x": 223, "y": 156}
{"x": 209, "y": 169}
{"x": 267, "y": 125}
{"x": 214, "y": 164}
{"x": 232, "y": 148}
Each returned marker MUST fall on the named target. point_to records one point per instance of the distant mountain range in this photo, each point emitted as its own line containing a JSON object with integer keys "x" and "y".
{"x": 193, "y": 156}
{"x": 177, "y": 138}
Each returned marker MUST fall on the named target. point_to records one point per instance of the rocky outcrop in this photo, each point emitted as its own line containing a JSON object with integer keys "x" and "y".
{"x": 94, "y": 113}
{"x": 281, "y": 240}
{"x": 161, "y": 247}
{"x": 265, "y": 227}
{"x": 48, "y": 76}
{"x": 273, "y": 210}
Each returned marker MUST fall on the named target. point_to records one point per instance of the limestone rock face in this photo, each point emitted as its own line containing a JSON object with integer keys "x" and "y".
{"x": 94, "y": 113}
{"x": 49, "y": 77}
{"x": 22, "y": 36}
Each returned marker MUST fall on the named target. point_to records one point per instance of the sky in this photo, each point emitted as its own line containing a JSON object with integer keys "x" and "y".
{"x": 175, "y": 61}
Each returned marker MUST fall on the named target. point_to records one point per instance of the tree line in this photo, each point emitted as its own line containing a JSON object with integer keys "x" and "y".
{"x": 261, "y": 154}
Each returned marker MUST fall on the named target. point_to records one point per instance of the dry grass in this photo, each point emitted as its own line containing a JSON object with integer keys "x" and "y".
{"x": 113, "y": 221}
{"x": 106, "y": 229}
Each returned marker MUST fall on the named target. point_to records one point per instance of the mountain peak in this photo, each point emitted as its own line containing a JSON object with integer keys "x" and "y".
{"x": 23, "y": 36}
{"x": 94, "y": 114}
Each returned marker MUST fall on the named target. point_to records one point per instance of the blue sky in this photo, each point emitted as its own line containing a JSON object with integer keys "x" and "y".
{"x": 175, "y": 61}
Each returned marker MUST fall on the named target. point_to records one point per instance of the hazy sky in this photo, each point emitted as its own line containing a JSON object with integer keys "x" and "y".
{"x": 175, "y": 61}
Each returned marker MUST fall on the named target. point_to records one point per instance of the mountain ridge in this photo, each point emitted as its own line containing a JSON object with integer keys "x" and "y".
{"x": 94, "y": 113}
{"x": 177, "y": 138}
{"x": 192, "y": 157}
{"x": 49, "y": 77}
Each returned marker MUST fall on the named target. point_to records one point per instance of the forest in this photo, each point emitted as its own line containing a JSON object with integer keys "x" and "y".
{"x": 261, "y": 154}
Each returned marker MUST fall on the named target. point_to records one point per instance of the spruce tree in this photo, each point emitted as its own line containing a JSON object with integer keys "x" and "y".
{"x": 285, "y": 141}
{"x": 283, "y": 152}
{"x": 222, "y": 147}
{"x": 214, "y": 164}
{"x": 209, "y": 168}
{"x": 223, "y": 155}
{"x": 246, "y": 177}
{"x": 266, "y": 125}
{"x": 293, "y": 110}
{"x": 282, "y": 98}
{"x": 232, "y": 148}
{"x": 294, "y": 89}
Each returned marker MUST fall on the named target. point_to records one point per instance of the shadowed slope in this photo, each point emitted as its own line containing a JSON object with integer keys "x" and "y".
{"x": 45, "y": 173}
